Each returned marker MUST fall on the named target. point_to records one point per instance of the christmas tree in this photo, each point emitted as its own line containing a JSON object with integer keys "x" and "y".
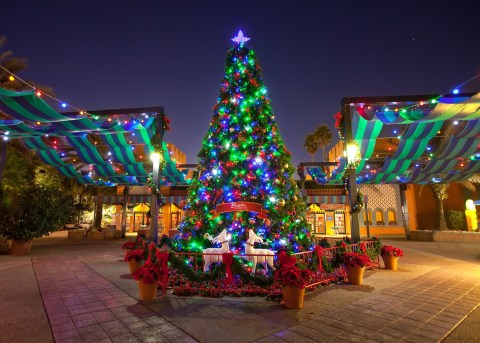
{"x": 244, "y": 179}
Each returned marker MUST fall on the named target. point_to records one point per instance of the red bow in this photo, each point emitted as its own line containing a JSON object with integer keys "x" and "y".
{"x": 286, "y": 261}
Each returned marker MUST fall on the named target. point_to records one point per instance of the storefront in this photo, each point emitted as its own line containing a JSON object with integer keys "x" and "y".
{"x": 327, "y": 219}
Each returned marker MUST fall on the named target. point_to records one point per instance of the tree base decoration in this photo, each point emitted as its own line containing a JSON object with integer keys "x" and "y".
{"x": 391, "y": 262}
{"x": 19, "y": 247}
{"x": 147, "y": 291}
{"x": 355, "y": 275}
{"x": 293, "y": 297}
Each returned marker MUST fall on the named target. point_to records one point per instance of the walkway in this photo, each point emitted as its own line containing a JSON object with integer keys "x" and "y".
{"x": 88, "y": 296}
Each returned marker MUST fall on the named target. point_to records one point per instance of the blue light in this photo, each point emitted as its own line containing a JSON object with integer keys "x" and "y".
{"x": 456, "y": 91}
{"x": 395, "y": 131}
{"x": 64, "y": 105}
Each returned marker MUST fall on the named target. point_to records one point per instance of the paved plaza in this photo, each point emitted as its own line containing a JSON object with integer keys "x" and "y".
{"x": 69, "y": 291}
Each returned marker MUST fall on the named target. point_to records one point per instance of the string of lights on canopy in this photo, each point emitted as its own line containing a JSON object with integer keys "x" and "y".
{"x": 410, "y": 139}
{"x": 103, "y": 148}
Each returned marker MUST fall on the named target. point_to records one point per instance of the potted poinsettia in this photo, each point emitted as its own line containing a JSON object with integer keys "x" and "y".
{"x": 292, "y": 279}
{"x": 390, "y": 255}
{"x": 355, "y": 266}
{"x": 134, "y": 259}
{"x": 153, "y": 272}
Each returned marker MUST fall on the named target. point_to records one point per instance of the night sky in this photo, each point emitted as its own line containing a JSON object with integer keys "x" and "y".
{"x": 121, "y": 54}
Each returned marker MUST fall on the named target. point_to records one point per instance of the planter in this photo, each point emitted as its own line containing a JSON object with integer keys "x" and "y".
{"x": 355, "y": 275}
{"x": 95, "y": 235}
{"x": 134, "y": 265}
{"x": 76, "y": 234}
{"x": 112, "y": 234}
{"x": 147, "y": 292}
{"x": 293, "y": 297}
{"x": 390, "y": 262}
{"x": 17, "y": 247}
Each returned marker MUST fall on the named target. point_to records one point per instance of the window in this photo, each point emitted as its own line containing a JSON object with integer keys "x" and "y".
{"x": 379, "y": 217}
{"x": 392, "y": 217}
{"x": 367, "y": 217}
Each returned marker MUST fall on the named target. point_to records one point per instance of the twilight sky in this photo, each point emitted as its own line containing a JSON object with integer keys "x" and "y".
{"x": 121, "y": 54}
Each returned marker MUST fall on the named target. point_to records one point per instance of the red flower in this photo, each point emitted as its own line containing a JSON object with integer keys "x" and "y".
{"x": 149, "y": 273}
{"x": 136, "y": 255}
{"x": 388, "y": 250}
{"x": 128, "y": 245}
{"x": 353, "y": 259}
{"x": 363, "y": 247}
{"x": 289, "y": 275}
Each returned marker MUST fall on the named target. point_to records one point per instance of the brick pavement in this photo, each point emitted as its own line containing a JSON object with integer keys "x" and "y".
{"x": 423, "y": 309}
{"x": 82, "y": 306}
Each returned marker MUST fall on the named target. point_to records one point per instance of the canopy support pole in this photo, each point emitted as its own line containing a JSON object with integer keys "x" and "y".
{"x": 352, "y": 176}
{"x": 124, "y": 211}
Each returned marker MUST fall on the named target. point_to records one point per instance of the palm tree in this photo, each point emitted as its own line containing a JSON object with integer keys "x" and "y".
{"x": 440, "y": 194}
{"x": 16, "y": 65}
{"x": 323, "y": 137}
{"x": 311, "y": 145}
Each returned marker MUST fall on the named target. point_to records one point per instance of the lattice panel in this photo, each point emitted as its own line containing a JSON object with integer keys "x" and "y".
{"x": 381, "y": 196}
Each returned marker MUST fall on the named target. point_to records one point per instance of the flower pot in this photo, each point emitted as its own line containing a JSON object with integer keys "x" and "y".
{"x": 293, "y": 297}
{"x": 390, "y": 262}
{"x": 77, "y": 234}
{"x": 134, "y": 265}
{"x": 17, "y": 247}
{"x": 95, "y": 235}
{"x": 110, "y": 234}
{"x": 147, "y": 292}
{"x": 355, "y": 275}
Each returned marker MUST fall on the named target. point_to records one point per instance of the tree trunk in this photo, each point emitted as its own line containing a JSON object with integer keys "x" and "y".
{"x": 3, "y": 157}
{"x": 323, "y": 153}
{"x": 97, "y": 224}
{"x": 442, "y": 224}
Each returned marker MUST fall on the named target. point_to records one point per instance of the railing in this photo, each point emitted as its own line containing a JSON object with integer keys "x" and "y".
{"x": 182, "y": 285}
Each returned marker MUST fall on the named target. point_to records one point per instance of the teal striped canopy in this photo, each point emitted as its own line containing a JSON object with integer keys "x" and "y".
{"x": 104, "y": 150}
{"x": 417, "y": 139}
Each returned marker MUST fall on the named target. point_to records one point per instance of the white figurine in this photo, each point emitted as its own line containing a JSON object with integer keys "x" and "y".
{"x": 255, "y": 258}
{"x": 213, "y": 255}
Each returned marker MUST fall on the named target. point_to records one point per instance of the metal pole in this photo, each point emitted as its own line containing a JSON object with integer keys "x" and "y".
{"x": 352, "y": 175}
{"x": 403, "y": 201}
{"x": 366, "y": 214}
{"x": 124, "y": 211}
{"x": 154, "y": 202}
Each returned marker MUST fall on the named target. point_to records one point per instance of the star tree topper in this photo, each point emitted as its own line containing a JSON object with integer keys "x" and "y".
{"x": 240, "y": 39}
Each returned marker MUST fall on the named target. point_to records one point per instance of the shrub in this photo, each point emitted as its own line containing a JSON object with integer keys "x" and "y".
{"x": 456, "y": 220}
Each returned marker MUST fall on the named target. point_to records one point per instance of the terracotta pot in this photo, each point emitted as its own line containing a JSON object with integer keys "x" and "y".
{"x": 147, "y": 292}
{"x": 293, "y": 297}
{"x": 390, "y": 262}
{"x": 134, "y": 265}
{"x": 17, "y": 247}
{"x": 355, "y": 275}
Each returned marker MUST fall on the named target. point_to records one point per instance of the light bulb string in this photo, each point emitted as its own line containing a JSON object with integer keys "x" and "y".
{"x": 48, "y": 95}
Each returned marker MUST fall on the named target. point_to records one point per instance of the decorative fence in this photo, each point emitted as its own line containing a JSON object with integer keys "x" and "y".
{"x": 233, "y": 283}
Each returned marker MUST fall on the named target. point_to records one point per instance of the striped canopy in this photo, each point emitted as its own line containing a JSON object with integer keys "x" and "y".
{"x": 104, "y": 148}
{"x": 416, "y": 139}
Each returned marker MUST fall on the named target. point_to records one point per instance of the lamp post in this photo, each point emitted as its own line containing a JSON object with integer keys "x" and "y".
{"x": 351, "y": 152}
{"x": 155, "y": 157}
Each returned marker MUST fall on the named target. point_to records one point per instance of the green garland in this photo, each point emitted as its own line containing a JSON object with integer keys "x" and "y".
{"x": 357, "y": 205}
